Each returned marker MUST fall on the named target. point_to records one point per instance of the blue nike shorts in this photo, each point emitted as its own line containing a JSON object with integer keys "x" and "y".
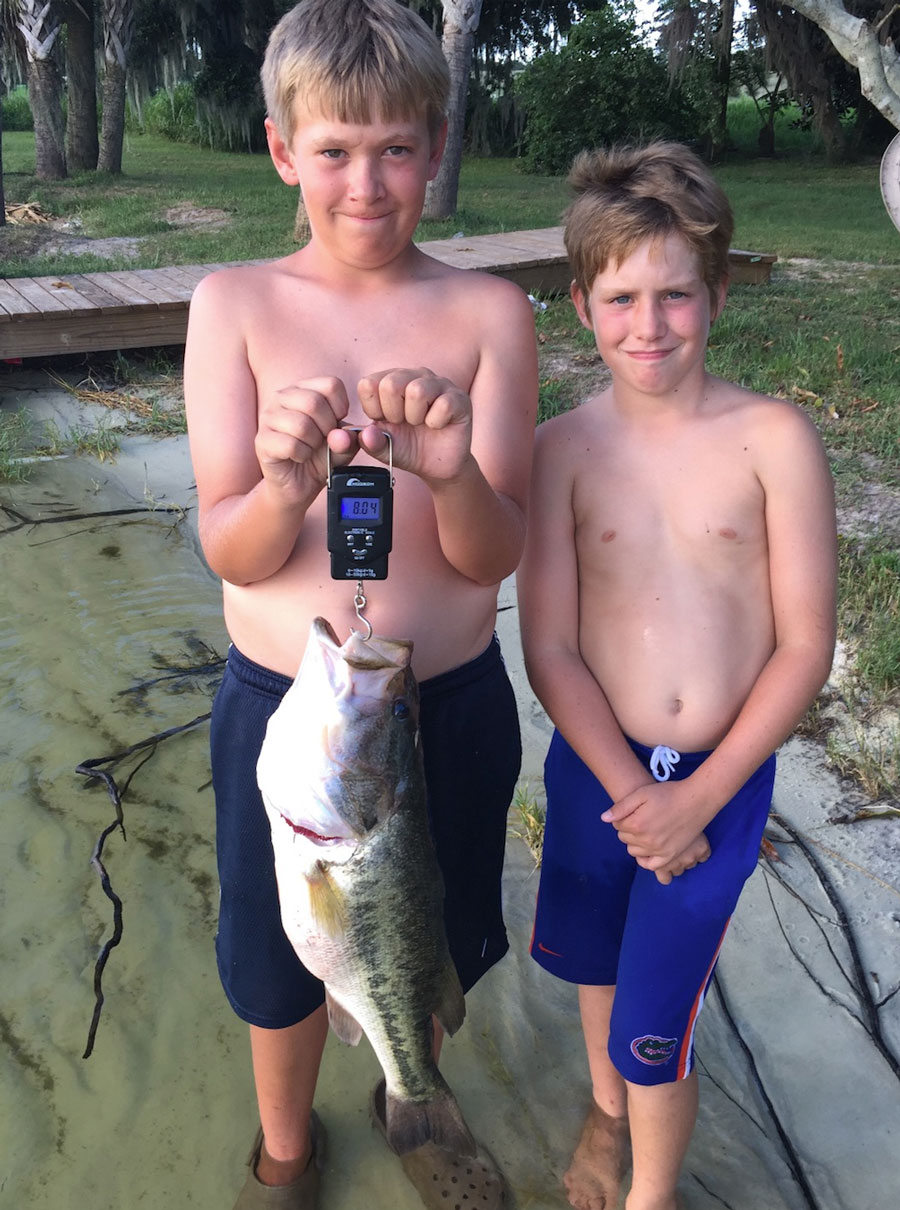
{"x": 472, "y": 753}
{"x": 602, "y": 920}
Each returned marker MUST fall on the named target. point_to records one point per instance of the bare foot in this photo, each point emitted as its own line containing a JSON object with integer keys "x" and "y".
{"x": 599, "y": 1163}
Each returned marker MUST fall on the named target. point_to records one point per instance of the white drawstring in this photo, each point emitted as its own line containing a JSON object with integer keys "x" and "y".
{"x": 663, "y": 761}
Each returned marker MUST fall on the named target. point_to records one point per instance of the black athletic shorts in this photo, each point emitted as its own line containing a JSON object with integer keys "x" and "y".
{"x": 472, "y": 752}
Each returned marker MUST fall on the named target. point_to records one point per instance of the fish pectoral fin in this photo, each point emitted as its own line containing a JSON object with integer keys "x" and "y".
{"x": 450, "y": 1008}
{"x": 344, "y": 1024}
{"x": 325, "y": 903}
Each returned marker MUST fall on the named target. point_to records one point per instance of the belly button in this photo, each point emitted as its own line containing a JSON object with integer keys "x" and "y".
{"x": 677, "y": 705}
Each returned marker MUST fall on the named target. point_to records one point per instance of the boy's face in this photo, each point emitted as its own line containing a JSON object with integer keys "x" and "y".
{"x": 651, "y": 315}
{"x": 363, "y": 184}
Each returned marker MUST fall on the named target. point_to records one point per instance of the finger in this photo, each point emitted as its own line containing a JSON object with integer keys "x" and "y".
{"x": 325, "y": 399}
{"x": 451, "y": 406}
{"x": 664, "y": 877}
{"x": 288, "y": 436}
{"x": 343, "y": 443}
{"x": 620, "y": 810}
{"x": 382, "y": 394}
{"x": 375, "y": 441}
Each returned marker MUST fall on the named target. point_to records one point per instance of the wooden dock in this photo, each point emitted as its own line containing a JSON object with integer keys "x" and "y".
{"x": 133, "y": 308}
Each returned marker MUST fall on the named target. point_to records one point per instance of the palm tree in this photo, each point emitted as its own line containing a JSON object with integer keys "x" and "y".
{"x": 37, "y": 24}
{"x": 118, "y": 29}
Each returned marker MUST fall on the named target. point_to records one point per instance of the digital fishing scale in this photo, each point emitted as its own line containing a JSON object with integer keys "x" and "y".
{"x": 360, "y": 502}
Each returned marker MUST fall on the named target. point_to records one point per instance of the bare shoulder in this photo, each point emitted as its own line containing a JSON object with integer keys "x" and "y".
{"x": 573, "y": 428}
{"x": 232, "y": 284}
{"x": 775, "y": 427}
{"x": 489, "y": 300}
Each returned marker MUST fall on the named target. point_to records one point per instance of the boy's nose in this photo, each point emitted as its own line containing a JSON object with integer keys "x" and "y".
{"x": 649, "y": 321}
{"x": 365, "y": 181}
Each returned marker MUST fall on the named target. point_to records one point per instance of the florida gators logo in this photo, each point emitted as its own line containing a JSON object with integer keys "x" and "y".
{"x": 653, "y": 1051}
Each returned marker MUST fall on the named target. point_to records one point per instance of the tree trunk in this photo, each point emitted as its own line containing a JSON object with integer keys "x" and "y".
{"x": 461, "y": 19}
{"x": 857, "y": 41}
{"x": 82, "y": 144}
{"x": 38, "y": 26}
{"x": 118, "y": 27}
{"x": 2, "y": 195}
{"x": 45, "y": 98}
{"x": 301, "y": 222}
{"x": 722, "y": 78}
{"x": 112, "y": 132}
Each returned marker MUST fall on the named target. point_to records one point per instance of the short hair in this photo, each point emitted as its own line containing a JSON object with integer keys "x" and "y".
{"x": 626, "y": 195}
{"x": 352, "y": 60}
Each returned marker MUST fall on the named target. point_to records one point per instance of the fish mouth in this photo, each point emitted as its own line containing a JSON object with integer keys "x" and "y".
{"x": 315, "y": 837}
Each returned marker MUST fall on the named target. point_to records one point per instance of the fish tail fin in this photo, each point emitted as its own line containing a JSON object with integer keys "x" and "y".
{"x": 439, "y": 1120}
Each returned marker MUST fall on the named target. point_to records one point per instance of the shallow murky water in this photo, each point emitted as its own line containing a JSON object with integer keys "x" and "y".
{"x": 100, "y": 621}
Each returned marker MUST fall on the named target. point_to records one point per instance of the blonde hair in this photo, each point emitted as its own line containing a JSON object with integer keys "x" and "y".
{"x": 626, "y": 195}
{"x": 352, "y": 60}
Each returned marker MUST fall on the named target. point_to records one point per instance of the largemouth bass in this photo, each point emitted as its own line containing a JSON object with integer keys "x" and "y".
{"x": 340, "y": 772}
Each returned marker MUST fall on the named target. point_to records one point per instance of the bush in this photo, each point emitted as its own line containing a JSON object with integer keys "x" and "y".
{"x": 16, "y": 110}
{"x": 172, "y": 114}
{"x": 603, "y": 86}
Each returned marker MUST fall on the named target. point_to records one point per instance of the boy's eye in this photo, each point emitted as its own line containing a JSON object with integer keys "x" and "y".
{"x": 396, "y": 150}
{"x": 677, "y": 294}
{"x": 621, "y": 298}
{"x": 332, "y": 153}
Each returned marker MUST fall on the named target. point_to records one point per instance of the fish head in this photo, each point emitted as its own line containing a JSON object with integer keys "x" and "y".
{"x": 341, "y": 750}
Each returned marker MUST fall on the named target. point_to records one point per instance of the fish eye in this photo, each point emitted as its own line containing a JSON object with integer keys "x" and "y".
{"x": 401, "y": 708}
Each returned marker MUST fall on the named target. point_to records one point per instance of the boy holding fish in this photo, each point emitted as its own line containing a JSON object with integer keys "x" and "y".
{"x": 356, "y": 335}
{"x": 677, "y": 601}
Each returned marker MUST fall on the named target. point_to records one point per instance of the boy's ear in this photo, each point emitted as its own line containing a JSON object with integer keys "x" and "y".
{"x": 582, "y": 305}
{"x": 438, "y": 143}
{"x": 281, "y": 154}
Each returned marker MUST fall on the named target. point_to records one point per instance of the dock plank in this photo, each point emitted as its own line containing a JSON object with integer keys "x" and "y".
{"x": 135, "y": 308}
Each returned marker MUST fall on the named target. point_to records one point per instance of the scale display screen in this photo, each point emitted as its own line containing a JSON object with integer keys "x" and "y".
{"x": 365, "y": 509}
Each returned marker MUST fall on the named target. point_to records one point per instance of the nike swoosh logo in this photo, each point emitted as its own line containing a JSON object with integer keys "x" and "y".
{"x": 544, "y": 950}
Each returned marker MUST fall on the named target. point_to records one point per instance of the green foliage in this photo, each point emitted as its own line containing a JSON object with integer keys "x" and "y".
{"x": 172, "y": 115}
{"x": 791, "y": 135}
{"x": 604, "y": 85}
{"x": 16, "y": 110}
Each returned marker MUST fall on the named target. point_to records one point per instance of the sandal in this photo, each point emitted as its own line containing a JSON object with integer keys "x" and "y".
{"x": 302, "y": 1194}
{"x": 445, "y": 1181}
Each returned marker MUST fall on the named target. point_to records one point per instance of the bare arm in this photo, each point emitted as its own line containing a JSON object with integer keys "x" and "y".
{"x": 657, "y": 822}
{"x": 257, "y": 468}
{"x": 547, "y": 582}
{"x": 472, "y": 449}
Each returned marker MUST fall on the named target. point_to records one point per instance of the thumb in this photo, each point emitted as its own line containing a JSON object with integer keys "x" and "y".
{"x": 375, "y": 441}
{"x": 621, "y": 809}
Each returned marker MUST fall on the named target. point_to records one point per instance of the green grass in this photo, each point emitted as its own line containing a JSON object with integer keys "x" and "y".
{"x": 869, "y": 594}
{"x": 773, "y": 202}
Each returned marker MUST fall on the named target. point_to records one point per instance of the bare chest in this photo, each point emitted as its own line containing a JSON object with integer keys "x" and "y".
{"x": 646, "y": 513}
{"x": 310, "y": 336}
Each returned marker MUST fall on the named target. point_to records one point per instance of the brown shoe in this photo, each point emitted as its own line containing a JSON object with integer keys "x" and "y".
{"x": 302, "y": 1194}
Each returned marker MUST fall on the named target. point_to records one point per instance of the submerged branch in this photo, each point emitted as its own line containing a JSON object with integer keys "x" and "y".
{"x": 91, "y": 769}
{"x": 22, "y": 522}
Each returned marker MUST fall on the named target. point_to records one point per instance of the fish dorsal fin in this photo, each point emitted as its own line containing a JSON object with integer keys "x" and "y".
{"x": 344, "y": 1025}
{"x": 450, "y": 1008}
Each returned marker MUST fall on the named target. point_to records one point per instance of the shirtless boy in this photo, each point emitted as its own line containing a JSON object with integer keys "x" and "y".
{"x": 677, "y": 604}
{"x": 357, "y": 328}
